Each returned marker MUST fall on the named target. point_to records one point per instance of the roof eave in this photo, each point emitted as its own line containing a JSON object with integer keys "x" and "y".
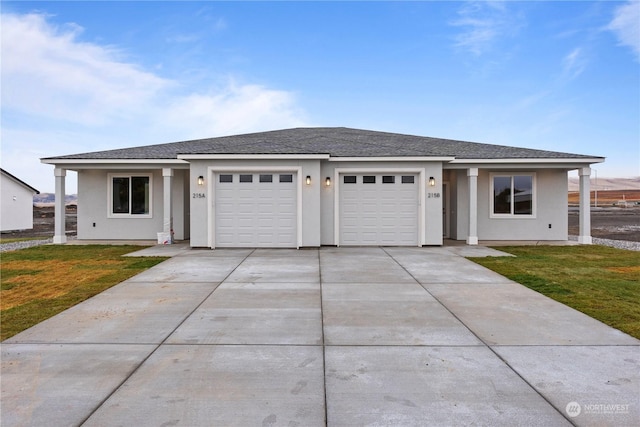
{"x": 575, "y": 160}
{"x": 60, "y": 161}
{"x": 393, "y": 159}
{"x": 252, "y": 156}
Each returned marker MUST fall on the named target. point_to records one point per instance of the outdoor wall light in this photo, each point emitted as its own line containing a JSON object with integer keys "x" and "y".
{"x": 432, "y": 181}
{"x": 308, "y": 180}
{"x": 327, "y": 181}
{"x": 201, "y": 180}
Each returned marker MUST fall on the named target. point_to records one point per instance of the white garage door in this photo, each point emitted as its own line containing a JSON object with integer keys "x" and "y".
{"x": 255, "y": 210}
{"x": 379, "y": 209}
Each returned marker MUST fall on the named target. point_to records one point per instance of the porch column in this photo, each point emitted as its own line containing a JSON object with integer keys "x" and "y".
{"x": 584, "y": 234}
{"x": 167, "y": 175}
{"x": 59, "y": 234}
{"x": 472, "y": 174}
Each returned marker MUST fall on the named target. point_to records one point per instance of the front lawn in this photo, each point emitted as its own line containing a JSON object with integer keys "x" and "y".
{"x": 40, "y": 282}
{"x": 599, "y": 281}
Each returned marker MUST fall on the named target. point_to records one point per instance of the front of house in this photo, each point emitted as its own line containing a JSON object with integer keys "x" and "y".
{"x": 309, "y": 187}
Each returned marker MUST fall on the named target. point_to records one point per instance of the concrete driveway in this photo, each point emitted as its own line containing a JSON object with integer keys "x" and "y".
{"x": 336, "y": 336}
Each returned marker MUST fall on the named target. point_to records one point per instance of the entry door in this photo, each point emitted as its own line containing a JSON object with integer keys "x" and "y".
{"x": 256, "y": 210}
{"x": 379, "y": 209}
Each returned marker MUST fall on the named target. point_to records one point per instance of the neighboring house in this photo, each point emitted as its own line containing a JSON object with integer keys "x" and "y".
{"x": 309, "y": 187}
{"x": 16, "y": 212}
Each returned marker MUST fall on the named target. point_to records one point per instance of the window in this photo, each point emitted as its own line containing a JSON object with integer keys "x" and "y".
{"x": 286, "y": 178}
{"x": 350, "y": 179}
{"x": 512, "y": 195}
{"x": 388, "y": 179}
{"x": 246, "y": 178}
{"x": 369, "y": 179}
{"x": 226, "y": 178}
{"x": 266, "y": 178}
{"x": 408, "y": 179}
{"x": 130, "y": 195}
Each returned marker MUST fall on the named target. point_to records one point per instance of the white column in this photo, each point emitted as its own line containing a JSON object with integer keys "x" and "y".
{"x": 584, "y": 234}
{"x": 59, "y": 235}
{"x": 167, "y": 175}
{"x": 472, "y": 174}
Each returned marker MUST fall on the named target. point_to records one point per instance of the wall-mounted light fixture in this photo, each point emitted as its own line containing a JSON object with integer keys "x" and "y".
{"x": 327, "y": 181}
{"x": 201, "y": 180}
{"x": 432, "y": 181}
{"x": 308, "y": 180}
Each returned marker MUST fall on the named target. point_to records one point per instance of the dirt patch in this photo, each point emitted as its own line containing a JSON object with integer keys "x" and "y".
{"x": 609, "y": 197}
{"x": 609, "y": 223}
{"x": 43, "y": 225}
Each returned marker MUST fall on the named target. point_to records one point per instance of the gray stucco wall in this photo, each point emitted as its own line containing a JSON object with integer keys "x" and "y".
{"x": 192, "y": 216}
{"x": 318, "y": 200}
{"x": 202, "y": 208}
{"x": 93, "y": 208}
{"x": 551, "y": 208}
{"x": 432, "y": 231}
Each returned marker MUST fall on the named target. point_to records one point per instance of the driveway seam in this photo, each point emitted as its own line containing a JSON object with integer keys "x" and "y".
{"x": 481, "y": 340}
{"x": 324, "y": 347}
{"x": 144, "y": 360}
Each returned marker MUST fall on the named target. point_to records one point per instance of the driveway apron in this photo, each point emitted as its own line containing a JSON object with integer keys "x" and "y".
{"x": 330, "y": 336}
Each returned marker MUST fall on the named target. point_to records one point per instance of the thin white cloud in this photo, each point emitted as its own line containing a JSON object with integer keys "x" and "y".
{"x": 232, "y": 109}
{"x": 183, "y": 38}
{"x": 574, "y": 63}
{"x": 482, "y": 24}
{"x": 47, "y": 72}
{"x": 53, "y": 83}
{"x": 626, "y": 26}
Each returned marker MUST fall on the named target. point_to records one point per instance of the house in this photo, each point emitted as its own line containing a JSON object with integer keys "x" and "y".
{"x": 16, "y": 212}
{"x": 308, "y": 187}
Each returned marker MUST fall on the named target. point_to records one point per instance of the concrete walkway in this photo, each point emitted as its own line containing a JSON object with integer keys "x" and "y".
{"x": 336, "y": 336}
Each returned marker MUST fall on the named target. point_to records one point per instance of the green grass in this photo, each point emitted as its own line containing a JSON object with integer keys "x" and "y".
{"x": 599, "y": 281}
{"x": 39, "y": 282}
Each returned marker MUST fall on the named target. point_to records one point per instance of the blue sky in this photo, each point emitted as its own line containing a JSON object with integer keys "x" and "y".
{"x": 86, "y": 76}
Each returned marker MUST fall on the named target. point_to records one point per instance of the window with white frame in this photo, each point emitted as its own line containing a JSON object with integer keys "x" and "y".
{"x": 130, "y": 195}
{"x": 512, "y": 195}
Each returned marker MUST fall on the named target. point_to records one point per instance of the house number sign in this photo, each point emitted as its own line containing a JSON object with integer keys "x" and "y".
{"x": 198, "y": 195}
{"x": 433, "y": 195}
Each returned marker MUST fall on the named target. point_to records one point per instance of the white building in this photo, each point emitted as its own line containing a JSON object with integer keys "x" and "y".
{"x": 309, "y": 187}
{"x": 16, "y": 211}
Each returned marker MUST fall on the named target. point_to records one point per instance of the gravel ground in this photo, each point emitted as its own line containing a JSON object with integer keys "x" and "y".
{"x": 4, "y": 247}
{"x": 620, "y": 244}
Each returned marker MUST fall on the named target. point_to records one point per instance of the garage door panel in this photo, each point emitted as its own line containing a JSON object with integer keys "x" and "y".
{"x": 256, "y": 214}
{"x": 380, "y": 213}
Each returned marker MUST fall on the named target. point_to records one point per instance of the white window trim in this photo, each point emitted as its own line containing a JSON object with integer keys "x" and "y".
{"x": 512, "y": 215}
{"x": 110, "y": 213}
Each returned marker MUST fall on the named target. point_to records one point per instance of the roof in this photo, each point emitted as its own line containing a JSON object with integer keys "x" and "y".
{"x": 19, "y": 181}
{"x": 334, "y": 142}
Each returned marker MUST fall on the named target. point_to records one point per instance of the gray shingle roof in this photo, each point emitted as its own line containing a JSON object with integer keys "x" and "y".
{"x": 336, "y": 142}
